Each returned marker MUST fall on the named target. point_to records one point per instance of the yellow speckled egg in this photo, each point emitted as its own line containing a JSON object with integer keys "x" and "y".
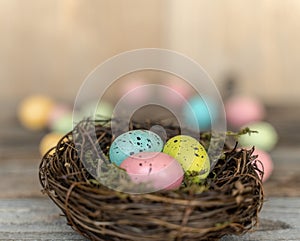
{"x": 190, "y": 154}
{"x": 48, "y": 141}
{"x": 33, "y": 111}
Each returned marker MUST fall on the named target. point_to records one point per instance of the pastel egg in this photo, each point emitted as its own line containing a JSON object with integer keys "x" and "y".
{"x": 265, "y": 164}
{"x": 133, "y": 142}
{"x": 241, "y": 110}
{"x": 190, "y": 154}
{"x": 57, "y": 112}
{"x": 134, "y": 91}
{"x": 200, "y": 112}
{"x": 178, "y": 94}
{"x": 265, "y": 138}
{"x": 158, "y": 169}
{"x": 93, "y": 109}
{"x": 48, "y": 141}
{"x": 34, "y": 110}
{"x": 63, "y": 124}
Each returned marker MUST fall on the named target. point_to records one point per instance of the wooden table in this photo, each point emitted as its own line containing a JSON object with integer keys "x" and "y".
{"x": 25, "y": 214}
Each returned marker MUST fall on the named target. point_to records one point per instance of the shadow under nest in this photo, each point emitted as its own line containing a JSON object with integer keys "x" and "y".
{"x": 226, "y": 203}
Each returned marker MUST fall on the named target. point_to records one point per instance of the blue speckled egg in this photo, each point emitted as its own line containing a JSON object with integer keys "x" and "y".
{"x": 133, "y": 142}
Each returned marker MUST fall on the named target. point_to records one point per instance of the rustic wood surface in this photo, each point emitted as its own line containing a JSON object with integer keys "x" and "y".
{"x": 39, "y": 219}
{"x": 25, "y": 214}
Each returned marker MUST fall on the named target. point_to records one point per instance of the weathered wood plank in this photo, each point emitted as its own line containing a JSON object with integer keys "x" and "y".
{"x": 39, "y": 219}
{"x": 283, "y": 211}
{"x": 33, "y": 219}
{"x": 285, "y": 180}
{"x": 19, "y": 172}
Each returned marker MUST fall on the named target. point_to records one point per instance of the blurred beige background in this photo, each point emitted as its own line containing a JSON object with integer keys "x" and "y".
{"x": 50, "y": 46}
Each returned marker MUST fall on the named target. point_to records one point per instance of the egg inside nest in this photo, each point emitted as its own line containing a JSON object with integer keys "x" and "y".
{"x": 132, "y": 142}
{"x": 190, "y": 153}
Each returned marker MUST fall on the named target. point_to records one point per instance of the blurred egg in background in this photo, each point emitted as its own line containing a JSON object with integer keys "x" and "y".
{"x": 242, "y": 109}
{"x": 179, "y": 91}
{"x": 63, "y": 124}
{"x": 132, "y": 90}
{"x": 60, "y": 119}
{"x": 265, "y": 163}
{"x": 200, "y": 112}
{"x": 34, "y": 110}
{"x": 48, "y": 141}
{"x": 265, "y": 138}
{"x": 96, "y": 109}
{"x": 59, "y": 110}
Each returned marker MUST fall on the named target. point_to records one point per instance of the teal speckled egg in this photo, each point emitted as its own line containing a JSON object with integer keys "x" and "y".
{"x": 133, "y": 142}
{"x": 190, "y": 154}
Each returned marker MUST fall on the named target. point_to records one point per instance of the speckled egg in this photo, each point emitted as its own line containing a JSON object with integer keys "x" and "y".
{"x": 159, "y": 170}
{"x": 190, "y": 154}
{"x": 132, "y": 142}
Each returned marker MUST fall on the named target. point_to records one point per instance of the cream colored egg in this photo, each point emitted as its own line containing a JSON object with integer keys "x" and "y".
{"x": 48, "y": 141}
{"x": 34, "y": 111}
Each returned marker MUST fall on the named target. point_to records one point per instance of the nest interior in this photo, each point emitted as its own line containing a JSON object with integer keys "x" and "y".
{"x": 227, "y": 202}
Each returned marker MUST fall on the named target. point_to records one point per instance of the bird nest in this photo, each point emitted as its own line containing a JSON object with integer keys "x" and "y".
{"x": 226, "y": 203}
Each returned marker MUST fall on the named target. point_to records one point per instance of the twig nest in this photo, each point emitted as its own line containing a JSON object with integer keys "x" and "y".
{"x": 226, "y": 202}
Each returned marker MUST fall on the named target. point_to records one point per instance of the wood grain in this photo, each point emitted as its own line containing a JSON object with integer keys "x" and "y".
{"x": 39, "y": 219}
{"x": 33, "y": 219}
{"x": 280, "y": 212}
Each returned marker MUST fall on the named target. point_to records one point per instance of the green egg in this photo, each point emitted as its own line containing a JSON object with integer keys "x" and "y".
{"x": 64, "y": 124}
{"x": 93, "y": 109}
{"x": 190, "y": 154}
{"x": 265, "y": 138}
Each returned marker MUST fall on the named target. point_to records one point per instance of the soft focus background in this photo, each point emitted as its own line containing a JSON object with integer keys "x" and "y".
{"x": 50, "y": 46}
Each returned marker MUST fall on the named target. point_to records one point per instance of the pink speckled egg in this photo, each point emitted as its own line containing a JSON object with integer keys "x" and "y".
{"x": 158, "y": 169}
{"x": 266, "y": 161}
{"x": 241, "y": 110}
